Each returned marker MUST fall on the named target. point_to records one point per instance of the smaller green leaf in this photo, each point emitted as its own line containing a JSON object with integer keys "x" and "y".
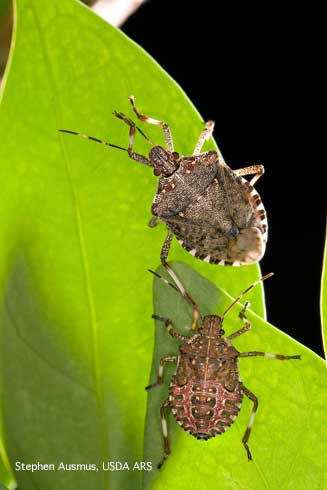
{"x": 323, "y": 298}
{"x": 288, "y": 439}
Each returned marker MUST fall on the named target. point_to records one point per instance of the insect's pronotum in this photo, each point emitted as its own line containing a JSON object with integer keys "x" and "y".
{"x": 206, "y": 392}
{"x": 215, "y": 213}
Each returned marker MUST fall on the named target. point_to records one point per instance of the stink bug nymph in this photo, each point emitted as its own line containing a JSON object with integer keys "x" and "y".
{"x": 206, "y": 392}
{"x": 214, "y": 212}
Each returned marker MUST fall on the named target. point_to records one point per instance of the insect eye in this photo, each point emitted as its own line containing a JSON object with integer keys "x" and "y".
{"x": 175, "y": 155}
{"x": 222, "y": 332}
{"x": 157, "y": 172}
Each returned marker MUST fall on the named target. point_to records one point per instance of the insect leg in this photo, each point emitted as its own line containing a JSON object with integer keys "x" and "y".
{"x": 170, "y": 329}
{"x": 150, "y": 120}
{"x": 247, "y": 433}
{"x": 153, "y": 221}
{"x": 164, "y": 432}
{"x": 281, "y": 357}
{"x": 180, "y": 287}
{"x": 186, "y": 296}
{"x": 247, "y": 324}
{"x": 163, "y": 257}
{"x": 206, "y": 133}
{"x": 163, "y": 360}
{"x": 165, "y": 249}
{"x": 258, "y": 170}
{"x": 140, "y": 158}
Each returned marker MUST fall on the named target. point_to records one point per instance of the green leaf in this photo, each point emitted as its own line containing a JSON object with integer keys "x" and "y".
{"x": 289, "y": 437}
{"x": 5, "y": 470}
{"x": 75, "y": 332}
{"x": 323, "y": 298}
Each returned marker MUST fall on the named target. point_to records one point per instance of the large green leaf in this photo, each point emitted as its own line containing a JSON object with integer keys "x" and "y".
{"x": 323, "y": 298}
{"x": 76, "y": 340}
{"x": 289, "y": 436}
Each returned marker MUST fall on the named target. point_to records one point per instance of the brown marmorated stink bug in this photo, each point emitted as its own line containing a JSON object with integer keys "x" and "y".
{"x": 213, "y": 211}
{"x": 205, "y": 394}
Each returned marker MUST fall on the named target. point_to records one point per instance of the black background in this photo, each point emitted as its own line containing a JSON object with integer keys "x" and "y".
{"x": 255, "y": 71}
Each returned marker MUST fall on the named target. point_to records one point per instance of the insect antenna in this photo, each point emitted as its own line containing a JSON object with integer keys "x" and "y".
{"x": 92, "y": 138}
{"x": 164, "y": 280}
{"x": 263, "y": 278}
{"x": 180, "y": 289}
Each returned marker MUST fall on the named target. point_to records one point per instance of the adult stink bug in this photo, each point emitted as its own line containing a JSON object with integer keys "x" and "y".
{"x": 213, "y": 211}
{"x": 206, "y": 393}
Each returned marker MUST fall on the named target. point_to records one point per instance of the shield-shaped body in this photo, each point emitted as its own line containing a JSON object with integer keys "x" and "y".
{"x": 205, "y": 393}
{"x": 215, "y": 213}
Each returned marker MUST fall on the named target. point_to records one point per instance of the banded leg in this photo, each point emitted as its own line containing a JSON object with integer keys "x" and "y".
{"x": 206, "y": 134}
{"x": 165, "y": 248}
{"x": 281, "y": 357}
{"x": 247, "y": 433}
{"x": 258, "y": 170}
{"x": 164, "y": 432}
{"x": 179, "y": 286}
{"x": 186, "y": 296}
{"x": 180, "y": 290}
{"x": 170, "y": 329}
{"x": 150, "y": 120}
{"x": 163, "y": 360}
{"x": 247, "y": 324}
